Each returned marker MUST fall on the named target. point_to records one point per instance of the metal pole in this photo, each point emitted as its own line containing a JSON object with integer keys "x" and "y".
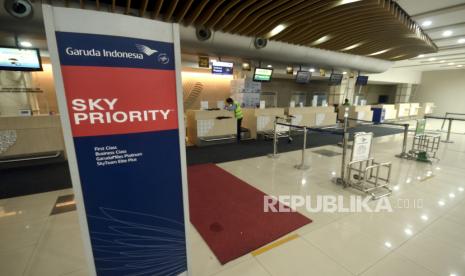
{"x": 345, "y": 140}
{"x": 404, "y": 153}
{"x": 275, "y": 141}
{"x": 448, "y": 132}
{"x": 302, "y": 165}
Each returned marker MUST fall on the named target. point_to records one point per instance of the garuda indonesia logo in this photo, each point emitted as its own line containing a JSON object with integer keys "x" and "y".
{"x": 145, "y": 49}
{"x": 162, "y": 57}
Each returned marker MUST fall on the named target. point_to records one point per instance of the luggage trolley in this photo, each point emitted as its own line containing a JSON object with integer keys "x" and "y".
{"x": 363, "y": 173}
{"x": 425, "y": 145}
{"x": 281, "y": 131}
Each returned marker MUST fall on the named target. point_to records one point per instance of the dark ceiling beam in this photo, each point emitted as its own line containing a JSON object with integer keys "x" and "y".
{"x": 157, "y": 8}
{"x": 143, "y": 8}
{"x": 171, "y": 8}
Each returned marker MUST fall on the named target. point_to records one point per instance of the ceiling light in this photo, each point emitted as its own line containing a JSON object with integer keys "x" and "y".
{"x": 460, "y": 189}
{"x": 26, "y": 44}
{"x": 408, "y": 231}
{"x": 441, "y": 203}
{"x": 343, "y": 2}
{"x": 424, "y": 217}
{"x": 408, "y": 180}
{"x": 304, "y": 181}
{"x": 396, "y": 188}
{"x": 344, "y": 72}
{"x": 460, "y": 65}
{"x": 426, "y": 23}
{"x": 322, "y": 39}
{"x": 432, "y": 59}
{"x": 388, "y": 244}
{"x": 447, "y": 33}
{"x": 452, "y": 195}
{"x": 461, "y": 40}
{"x": 351, "y": 47}
{"x": 276, "y": 30}
{"x": 311, "y": 70}
{"x": 269, "y": 66}
{"x": 420, "y": 56}
{"x": 451, "y": 63}
{"x": 442, "y": 61}
{"x": 379, "y": 52}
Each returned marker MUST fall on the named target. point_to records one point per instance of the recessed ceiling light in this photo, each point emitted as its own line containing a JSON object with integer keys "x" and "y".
{"x": 388, "y": 244}
{"x": 351, "y": 47}
{"x": 442, "y": 61}
{"x": 344, "y": 72}
{"x": 441, "y": 203}
{"x": 460, "y": 65}
{"x": 312, "y": 70}
{"x": 420, "y": 56}
{"x": 451, "y": 63}
{"x": 432, "y": 59}
{"x": 269, "y": 66}
{"x": 408, "y": 231}
{"x": 447, "y": 33}
{"x": 276, "y": 30}
{"x": 461, "y": 40}
{"x": 424, "y": 217}
{"x": 379, "y": 52}
{"x": 25, "y": 43}
{"x": 426, "y": 23}
{"x": 322, "y": 39}
{"x": 343, "y": 2}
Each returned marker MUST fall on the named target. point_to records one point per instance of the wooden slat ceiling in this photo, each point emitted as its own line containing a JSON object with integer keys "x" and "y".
{"x": 377, "y": 28}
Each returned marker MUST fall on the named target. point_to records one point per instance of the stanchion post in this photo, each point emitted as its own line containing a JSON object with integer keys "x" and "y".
{"x": 449, "y": 129}
{"x": 341, "y": 180}
{"x": 302, "y": 165}
{"x": 404, "y": 153}
{"x": 275, "y": 141}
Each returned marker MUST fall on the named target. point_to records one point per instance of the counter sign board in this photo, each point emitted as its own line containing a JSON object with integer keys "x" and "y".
{"x": 362, "y": 146}
{"x": 117, "y": 79}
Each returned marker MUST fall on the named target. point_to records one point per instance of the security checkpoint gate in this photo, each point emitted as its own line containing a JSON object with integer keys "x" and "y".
{"x": 425, "y": 145}
{"x": 363, "y": 173}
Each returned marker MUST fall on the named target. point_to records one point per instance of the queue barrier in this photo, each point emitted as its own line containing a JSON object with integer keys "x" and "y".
{"x": 449, "y": 128}
{"x": 302, "y": 165}
{"x": 404, "y": 153}
{"x": 446, "y": 116}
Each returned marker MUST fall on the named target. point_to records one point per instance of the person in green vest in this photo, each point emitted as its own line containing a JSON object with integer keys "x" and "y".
{"x": 234, "y": 106}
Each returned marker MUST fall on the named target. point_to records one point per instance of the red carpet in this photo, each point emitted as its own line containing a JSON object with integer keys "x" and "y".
{"x": 228, "y": 213}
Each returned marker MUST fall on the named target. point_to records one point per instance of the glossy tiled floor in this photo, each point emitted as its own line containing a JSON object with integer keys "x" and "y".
{"x": 409, "y": 241}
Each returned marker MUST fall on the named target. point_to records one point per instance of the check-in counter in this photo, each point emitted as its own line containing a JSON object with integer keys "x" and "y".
{"x": 259, "y": 120}
{"x": 403, "y": 110}
{"x": 359, "y": 112}
{"x": 28, "y": 137}
{"x": 317, "y": 116}
{"x": 390, "y": 111}
{"x": 425, "y": 109}
{"x": 414, "y": 108}
{"x": 210, "y": 126}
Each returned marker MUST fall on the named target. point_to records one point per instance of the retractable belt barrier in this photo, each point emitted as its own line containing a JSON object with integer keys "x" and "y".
{"x": 302, "y": 165}
{"x": 404, "y": 153}
{"x": 449, "y": 128}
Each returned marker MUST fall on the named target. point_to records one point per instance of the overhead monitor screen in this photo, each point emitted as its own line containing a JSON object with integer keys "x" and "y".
{"x": 262, "y": 74}
{"x": 20, "y": 59}
{"x": 361, "y": 80}
{"x": 303, "y": 76}
{"x": 335, "y": 79}
{"x": 222, "y": 68}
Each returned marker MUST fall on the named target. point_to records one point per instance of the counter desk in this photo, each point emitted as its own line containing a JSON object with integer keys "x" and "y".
{"x": 210, "y": 126}
{"x": 317, "y": 116}
{"x": 260, "y": 121}
{"x": 359, "y": 112}
{"x": 390, "y": 111}
{"x": 25, "y": 137}
{"x": 403, "y": 110}
{"x": 425, "y": 109}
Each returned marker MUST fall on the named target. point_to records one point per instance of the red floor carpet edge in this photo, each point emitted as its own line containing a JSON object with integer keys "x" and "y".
{"x": 228, "y": 213}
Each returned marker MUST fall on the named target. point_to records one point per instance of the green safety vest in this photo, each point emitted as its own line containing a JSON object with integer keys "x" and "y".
{"x": 238, "y": 111}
